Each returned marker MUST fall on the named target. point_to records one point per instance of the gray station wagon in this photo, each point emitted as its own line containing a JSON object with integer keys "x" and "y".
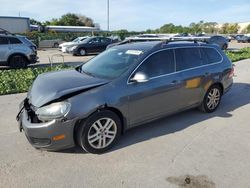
{"x": 125, "y": 86}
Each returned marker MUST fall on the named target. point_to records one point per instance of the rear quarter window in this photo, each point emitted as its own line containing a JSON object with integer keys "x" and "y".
{"x": 211, "y": 55}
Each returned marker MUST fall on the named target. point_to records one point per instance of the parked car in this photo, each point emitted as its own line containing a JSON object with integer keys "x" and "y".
{"x": 16, "y": 51}
{"x": 63, "y": 47}
{"x": 90, "y": 45}
{"x": 123, "y": 87}
{"x": 54, "y": 43}
{"x": 221, "y": 41}
{"x": 237, "y": 37}
{"x": 243, "y": 39}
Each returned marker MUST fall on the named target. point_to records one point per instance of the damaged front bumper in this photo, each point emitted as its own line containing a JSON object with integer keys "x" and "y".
{"x": 53, "y": 135}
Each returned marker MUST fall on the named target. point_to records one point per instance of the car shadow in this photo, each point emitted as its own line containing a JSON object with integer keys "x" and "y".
{"x": 237, "y": 97}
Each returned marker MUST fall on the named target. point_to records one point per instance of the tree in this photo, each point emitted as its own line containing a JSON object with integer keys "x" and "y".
{"x": 248, "y": 28}
{"x": 35, "y": 22}
{"x": 71, "y": 19}
{"x": 210, "y": 27}
{"x": 229, "y": 28}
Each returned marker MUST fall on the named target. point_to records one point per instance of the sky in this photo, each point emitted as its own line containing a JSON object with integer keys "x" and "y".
{"x": 136, "y": 15}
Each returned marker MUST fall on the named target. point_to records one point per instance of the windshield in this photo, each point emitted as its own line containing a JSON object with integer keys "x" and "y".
{"x": 76, "y": 40}
{"x": 111, "y": 63}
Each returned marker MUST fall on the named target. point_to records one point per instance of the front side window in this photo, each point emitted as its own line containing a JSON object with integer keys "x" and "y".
{"x": 4, "y": 41}
{"x": 187, "y": 58}
{"x": 14, "y": 40}
{"x": 158, "y": 64}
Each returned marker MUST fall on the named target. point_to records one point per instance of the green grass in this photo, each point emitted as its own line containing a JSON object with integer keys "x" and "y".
{"x": 243, "y": 53}
{"x": 19, "y": 80}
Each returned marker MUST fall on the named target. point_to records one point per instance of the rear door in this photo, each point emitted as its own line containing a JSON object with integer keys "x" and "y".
{"x": 93, "y": 45}
{"x": 4, "y": 49}
{"x": 104, "y": 43}
{"x": 189, "y": 63}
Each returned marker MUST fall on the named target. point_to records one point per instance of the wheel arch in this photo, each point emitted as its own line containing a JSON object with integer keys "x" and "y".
{"x": 220, "y": 85}
{"x": 101, "y": 108}
{"x": 14, "y": 54}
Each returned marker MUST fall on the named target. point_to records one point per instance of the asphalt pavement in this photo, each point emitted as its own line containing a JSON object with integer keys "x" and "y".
{"x": 190, "y": 149}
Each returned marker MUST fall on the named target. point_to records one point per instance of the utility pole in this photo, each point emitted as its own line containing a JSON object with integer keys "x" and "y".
{"x": 108, "y": 15}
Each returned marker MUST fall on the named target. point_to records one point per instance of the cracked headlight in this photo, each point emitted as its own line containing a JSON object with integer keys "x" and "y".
{"x": 53, "y": 111}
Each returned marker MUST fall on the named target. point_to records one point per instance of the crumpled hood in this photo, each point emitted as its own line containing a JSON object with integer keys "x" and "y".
{"x": 55, "y": 85}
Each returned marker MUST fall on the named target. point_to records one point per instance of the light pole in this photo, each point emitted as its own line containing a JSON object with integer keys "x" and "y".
{"x": 108, "y": 15}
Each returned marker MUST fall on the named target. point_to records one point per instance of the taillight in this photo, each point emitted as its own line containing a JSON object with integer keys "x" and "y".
{"x": 231, "y": 74}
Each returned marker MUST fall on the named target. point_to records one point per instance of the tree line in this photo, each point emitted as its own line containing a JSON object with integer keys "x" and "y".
{"x": 71, "y": 19}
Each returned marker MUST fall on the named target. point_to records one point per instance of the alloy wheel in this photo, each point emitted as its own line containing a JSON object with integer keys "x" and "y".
{"x": 102, "y": 133}
{"x": 213, "y": 98}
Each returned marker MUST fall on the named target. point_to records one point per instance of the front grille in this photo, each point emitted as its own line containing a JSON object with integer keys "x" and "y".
{"x": 31, "y": 113}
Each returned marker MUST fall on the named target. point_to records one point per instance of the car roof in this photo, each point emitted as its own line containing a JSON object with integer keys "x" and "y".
{"x": 142, "y": 46}
{"x": 157, "y": 45}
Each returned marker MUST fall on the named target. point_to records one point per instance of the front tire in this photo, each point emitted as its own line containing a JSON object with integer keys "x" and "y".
{"x": 18, "y": 61}
{"x": 212, "y": 99}
{"x": 99, "y": 132}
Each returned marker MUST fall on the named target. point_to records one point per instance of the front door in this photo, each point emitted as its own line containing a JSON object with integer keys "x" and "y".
{"x": 159, "y": 95}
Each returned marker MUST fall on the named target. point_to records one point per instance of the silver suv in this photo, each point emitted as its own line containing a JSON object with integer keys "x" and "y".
{"x": 16, "y": 51}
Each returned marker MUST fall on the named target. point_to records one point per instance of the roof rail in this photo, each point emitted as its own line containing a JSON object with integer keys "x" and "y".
{"x": 177, "y": 39}
{"x": 3, "y": 31}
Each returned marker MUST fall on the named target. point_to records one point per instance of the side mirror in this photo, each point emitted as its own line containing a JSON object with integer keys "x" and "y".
{"x": 140, "y": 77}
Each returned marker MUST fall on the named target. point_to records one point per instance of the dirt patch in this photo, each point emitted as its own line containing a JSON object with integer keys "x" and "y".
{"x": 189, "y": 181}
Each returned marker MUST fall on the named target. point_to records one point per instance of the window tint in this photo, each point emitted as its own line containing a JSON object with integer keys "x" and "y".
{"x": 14, "y": 40}
{"x": 158, "y": 64}
{"x": 211, "y": 55}
{"x": 105, "y": 40}
{"x": 187, "y": 58}
{"x": 95, "y": 40}
{"x": 3, "y": 41}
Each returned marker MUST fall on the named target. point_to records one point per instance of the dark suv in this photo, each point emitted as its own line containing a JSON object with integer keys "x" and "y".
{"x": 90, "y": 45}
{"x": 125, "y": 86}
{"x": 16, "y": 51}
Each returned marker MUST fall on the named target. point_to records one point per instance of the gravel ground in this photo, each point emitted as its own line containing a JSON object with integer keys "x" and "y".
{"x": 190, "y": 149}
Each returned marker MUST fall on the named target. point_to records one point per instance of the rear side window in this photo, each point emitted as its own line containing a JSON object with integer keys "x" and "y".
{"x": 211, "y": 55}
{"x": 3, "y": 41}
{"x": 158, "y": 64}
{"x": 105, "y": 40}
{"x": 187, "y": 58}
{"x": 14, "y": 40}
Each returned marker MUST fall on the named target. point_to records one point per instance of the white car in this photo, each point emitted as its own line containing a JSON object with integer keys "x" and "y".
{"x": 63, "y": 47}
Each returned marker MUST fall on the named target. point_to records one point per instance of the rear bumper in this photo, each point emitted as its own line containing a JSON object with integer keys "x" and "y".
{"x": 45, "y": 135}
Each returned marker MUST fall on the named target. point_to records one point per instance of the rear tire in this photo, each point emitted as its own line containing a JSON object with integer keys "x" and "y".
{"x": 56, "y": 45}
{"x": 212, "y": 99}
{"x": 82, "y": 52}
{"x": 18, "y": 61}
{"x": 99, "y": 132}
